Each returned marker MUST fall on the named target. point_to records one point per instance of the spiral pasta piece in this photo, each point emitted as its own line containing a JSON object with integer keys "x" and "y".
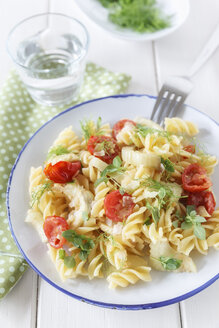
{"x": 165, "y": 221}
{"x": 132, "y": 247}
{"x": 213, "y": 240}
{"x": 128, "y": 136}
{"x": 209, "y": 163}
{"x": 105, "y": 130}
{"x": 95, "y": 264}
{"x": 46, "y": 205}
{"x": 129, "y": 276}
{"x": 115, "y": 253}
{"x": 190, "y": 242}
{"x": 92, "y": 166}
{"x": 68, "y": 139}
{"x": 133, "y": 224}
{"x": 178, "y": 126}
{"x": 36, "y": 178}
{"x": 175, "y": 236}
{"x": 213, "y": 222}
{"x": 152, "y": 233}
{"x": 97, "y": 209}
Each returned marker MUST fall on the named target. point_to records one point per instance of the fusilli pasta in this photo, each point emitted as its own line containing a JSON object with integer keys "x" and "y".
{"x": 118, "y": 202}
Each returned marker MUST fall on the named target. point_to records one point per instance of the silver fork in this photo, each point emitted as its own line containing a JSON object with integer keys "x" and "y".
{"x": 176, "y": 88}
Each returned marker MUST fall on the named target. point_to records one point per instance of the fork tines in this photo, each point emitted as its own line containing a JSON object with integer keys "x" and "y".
{"x": 171, "y": 97}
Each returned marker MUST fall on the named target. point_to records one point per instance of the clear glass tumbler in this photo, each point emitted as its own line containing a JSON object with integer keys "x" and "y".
{"x": 49, "y": 51}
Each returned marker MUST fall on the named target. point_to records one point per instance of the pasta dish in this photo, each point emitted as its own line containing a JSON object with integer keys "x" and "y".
{"x": 118, "y": 203}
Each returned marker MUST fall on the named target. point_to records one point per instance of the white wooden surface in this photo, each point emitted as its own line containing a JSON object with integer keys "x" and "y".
{"x": 35, "y": 304}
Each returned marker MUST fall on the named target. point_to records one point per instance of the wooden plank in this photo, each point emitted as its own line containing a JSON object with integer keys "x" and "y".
{"x": 56, "y": 309}
{"x": 18, "y": 308}
{"x": 202, "y": 309}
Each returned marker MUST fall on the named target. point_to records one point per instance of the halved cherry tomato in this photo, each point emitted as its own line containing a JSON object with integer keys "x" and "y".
{"x": 118, "y": 207}
{"x": 53, "y": 228}
{"x": 194, "y": 178}
{"x": 202, "y": 198}
{"x": 119, "y": 126}
{"x": 103, "y": 147}
{"x": 62, "y": 171}
{"x": 190, "y": 149}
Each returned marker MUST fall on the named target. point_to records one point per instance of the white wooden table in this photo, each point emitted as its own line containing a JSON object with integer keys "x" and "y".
{"x": 35, "y": 304}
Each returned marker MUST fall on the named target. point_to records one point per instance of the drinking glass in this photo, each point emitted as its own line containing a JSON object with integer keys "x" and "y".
{"x": 49, "y": 52}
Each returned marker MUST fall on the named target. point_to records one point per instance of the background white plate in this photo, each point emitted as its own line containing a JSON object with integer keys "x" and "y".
{"x": 98, "y": 14}
{"x": 165, "y": 288}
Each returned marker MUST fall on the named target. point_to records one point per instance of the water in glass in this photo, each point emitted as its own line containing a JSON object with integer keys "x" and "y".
{"x": 53, "y": 73}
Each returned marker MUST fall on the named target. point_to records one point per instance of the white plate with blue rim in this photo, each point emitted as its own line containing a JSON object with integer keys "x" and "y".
{"x": 178, "y": 10}
{"x": 166, "y": 287}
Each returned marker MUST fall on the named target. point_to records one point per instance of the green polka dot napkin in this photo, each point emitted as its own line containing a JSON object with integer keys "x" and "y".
{"x": 20, "y": 117}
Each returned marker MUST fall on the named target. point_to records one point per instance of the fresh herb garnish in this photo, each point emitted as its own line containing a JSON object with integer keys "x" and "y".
{"x": 100, "y": 180}
{"x": 168, "y": 165}
{"x": 87, "y": 129}
{"x": 162, "y": 195}
{"x": 69, "y": 261}
{"x": 138, "y": 15}
{"x": 179, "y": 219}
{"x": 85, "y": 216}
{"x": 90, "y": 129}
{"x": 61, "y": 254}
{"x": 147, "y": 221}
{"x": 73, "y": 181}
{"x": 145, "y": 130}
{"x": 200, "y": 147}
{"x": 110, "y": 238}
{"x": 99, "y": 120}
{"x": 39, "y": 191}
{"x": 117, "y": 162}
{"x": 115, "y": 167}
{"x": 165, "y": 194}
{"x": 154, "y": 212}
{"x": 85, "y": 244}
{"x": 175, "y": 223}
{"x": 156, "y": 186}
{"x": 57, "y": 151}
{"x": 83, "y": 255}
{"x": 192, "y": 219}
{"x": 122, "y": 191}
{"x": 170, "y": 263}
{"x": 107, "y": 146}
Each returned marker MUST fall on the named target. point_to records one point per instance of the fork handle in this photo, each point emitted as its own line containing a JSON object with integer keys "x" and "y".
{"x": 206, "y": 52}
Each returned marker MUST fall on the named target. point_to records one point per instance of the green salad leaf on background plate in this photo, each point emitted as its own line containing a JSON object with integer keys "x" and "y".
{"x": 138, "y": 15}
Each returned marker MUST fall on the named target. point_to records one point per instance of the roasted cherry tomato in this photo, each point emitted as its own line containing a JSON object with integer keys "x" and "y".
{"x": 194, "y": 178}
{"x": 62, "y": 171}
{"x": 202, "y": 198}
{"x": 119, "y": 126}
{"x": 190, "y": 149}
{"x": 53, "y": 228}
{"x": 103, "y": 147}
{"x": 118, "y": 207}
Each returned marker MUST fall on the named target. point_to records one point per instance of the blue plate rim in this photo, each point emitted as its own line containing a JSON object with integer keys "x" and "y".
{"x": 86, "y": 300}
